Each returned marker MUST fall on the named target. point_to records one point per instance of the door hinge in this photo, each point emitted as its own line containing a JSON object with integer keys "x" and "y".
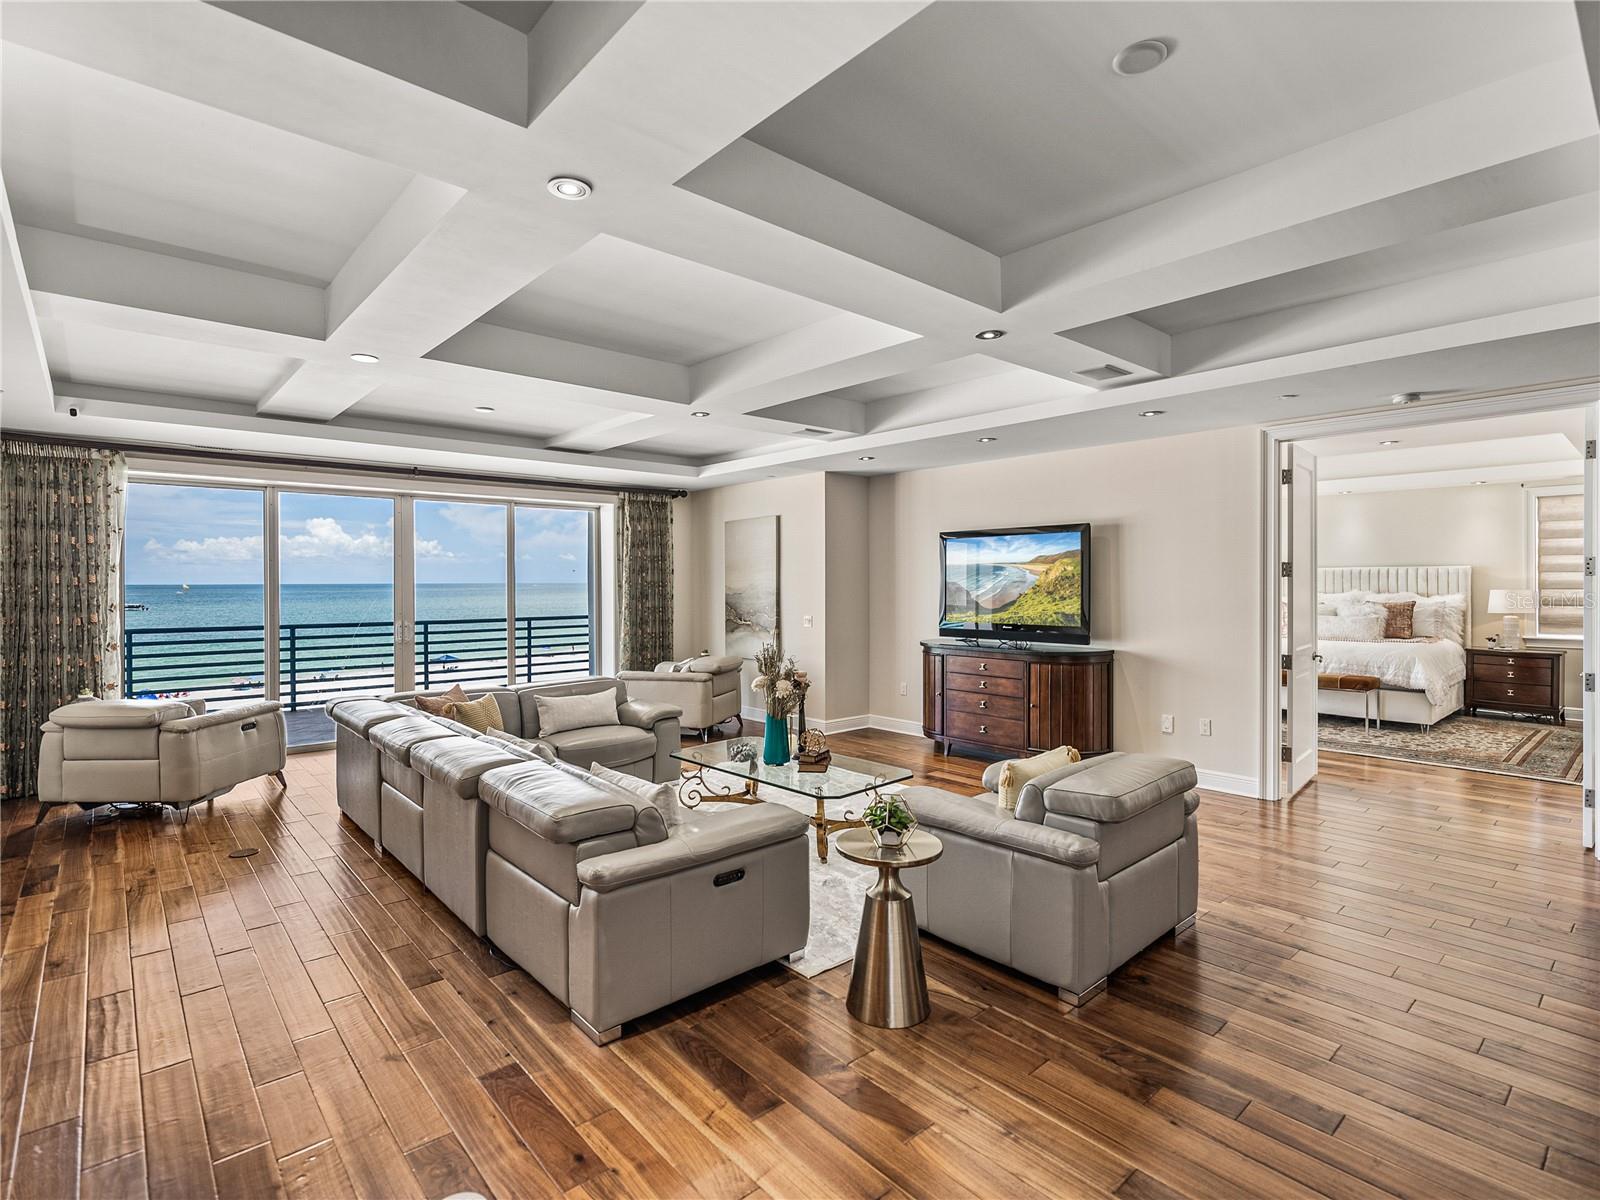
{"x": 1286, "y": 475}
{"x": 1588, "y": 448}
{"x": 1286, "y": 570}
{"x": 1588, "y": 567}
{"x": 1285, "y": 754}
{"x": 1286, "y": 661}
{"x": 1588, "y": 797}
{"x": 1588, "y": 681}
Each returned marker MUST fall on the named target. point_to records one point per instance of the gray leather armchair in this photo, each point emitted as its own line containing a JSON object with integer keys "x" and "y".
{"x": 1100, "y": 860}
{"x": 170, "y": 752}
{"x": 706, "y": 689}
{"x": 587, "y": 890}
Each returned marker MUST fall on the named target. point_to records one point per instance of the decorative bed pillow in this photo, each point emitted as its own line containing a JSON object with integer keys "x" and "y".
{"x": 1397, "y": 620}
{"x": 1361, "y": 627}
{"x": 557, "y": 714}
{"x": 663, "y": 797}
{"x": 1019, "y": 771}
{"x": 482, "y": 714}
{"x": 436, "y": 704}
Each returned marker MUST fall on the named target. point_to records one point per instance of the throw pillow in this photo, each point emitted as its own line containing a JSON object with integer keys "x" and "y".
{"x": 482, "y": 714}
{"x": 663, "y": 797}
{"x": 436, "y": 704}
{"x": 557, "y": 714}
{"x": 1358, "y": 628}
{"x": 1397, "y": 620}
{"x": 1020, "y": 771}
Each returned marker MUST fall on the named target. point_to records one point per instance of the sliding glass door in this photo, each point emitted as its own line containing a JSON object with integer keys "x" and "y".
{"x": 235, "y": 594}
{"x": 460, "y": 608}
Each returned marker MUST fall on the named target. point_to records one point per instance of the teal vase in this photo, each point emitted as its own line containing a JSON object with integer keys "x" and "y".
{"x": 775, "y": 746}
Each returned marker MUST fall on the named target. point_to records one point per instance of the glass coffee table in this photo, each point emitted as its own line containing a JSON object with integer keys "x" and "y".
{"x": 716, "y": 778}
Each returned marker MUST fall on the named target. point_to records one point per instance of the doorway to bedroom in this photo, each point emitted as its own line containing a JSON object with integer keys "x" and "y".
{"x": 1433, "y": 567}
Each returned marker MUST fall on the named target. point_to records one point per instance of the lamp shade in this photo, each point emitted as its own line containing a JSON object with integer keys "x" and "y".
{"x": 1507, "y": 601}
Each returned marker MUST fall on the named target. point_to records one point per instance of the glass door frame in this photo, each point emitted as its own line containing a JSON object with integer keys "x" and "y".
{"x": 597, "y": 511}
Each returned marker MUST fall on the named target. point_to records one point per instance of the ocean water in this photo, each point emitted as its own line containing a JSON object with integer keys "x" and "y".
{"x": 207, "y": 639}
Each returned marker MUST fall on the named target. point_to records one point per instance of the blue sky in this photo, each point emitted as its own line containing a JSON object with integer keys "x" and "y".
{"x": 1016, "y": 549}
{"x": 202, "y": 535}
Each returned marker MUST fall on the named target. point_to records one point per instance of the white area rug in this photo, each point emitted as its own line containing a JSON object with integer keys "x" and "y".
{"x": 838, "y": 888}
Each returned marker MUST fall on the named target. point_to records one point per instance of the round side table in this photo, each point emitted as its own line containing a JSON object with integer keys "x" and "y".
{"x": 887, "y": 986}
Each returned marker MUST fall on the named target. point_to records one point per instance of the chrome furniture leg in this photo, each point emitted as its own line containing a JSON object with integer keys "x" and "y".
{"x": 887, "y": 985}
{"x": 1079, "y": 999}
{"x": 600, "y": 1037}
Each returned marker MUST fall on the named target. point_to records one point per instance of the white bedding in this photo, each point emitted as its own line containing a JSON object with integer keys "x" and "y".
{"x": 1433, "y": 667}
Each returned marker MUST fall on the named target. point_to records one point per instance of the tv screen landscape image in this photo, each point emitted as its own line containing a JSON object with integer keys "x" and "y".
{"x": 1017, "y": 583}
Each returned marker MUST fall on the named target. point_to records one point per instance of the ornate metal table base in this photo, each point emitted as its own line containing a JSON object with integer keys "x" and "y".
{"x": 697, "y": 789}
{"x": 887, "y": 985}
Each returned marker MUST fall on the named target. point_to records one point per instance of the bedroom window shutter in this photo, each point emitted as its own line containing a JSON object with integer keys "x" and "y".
{"x": 1559, "y": 524}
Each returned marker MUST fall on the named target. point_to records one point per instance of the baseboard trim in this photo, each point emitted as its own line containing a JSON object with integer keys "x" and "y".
{"x": 826, "y": 724}
{"x": 894, "y": 725}
{"x": 1232, "y": 785}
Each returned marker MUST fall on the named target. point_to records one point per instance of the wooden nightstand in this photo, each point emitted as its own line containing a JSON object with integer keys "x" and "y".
{"x": 1517, "y": 681}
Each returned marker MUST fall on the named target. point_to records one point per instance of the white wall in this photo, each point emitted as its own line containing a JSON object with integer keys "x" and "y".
{"x": 1481, "y": 527}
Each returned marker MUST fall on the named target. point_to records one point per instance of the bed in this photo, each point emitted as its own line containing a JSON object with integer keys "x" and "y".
{"x": 1423, "y": 680}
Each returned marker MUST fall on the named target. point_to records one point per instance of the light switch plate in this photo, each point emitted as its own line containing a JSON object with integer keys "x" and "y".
{"x": 1205, "y": 726}
{"x": 1168, "y": 725}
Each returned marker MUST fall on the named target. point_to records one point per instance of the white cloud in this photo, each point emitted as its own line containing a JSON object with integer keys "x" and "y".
{"x": 324, "y": 537}
{"x": 428, "y": 548}
{"x": 487, "y": 522}
{"x": 211, "y": 549}
{"x": 568, "y": 557}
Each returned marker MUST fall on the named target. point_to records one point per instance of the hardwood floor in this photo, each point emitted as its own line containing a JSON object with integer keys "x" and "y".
{"x": 1393, "y": 990}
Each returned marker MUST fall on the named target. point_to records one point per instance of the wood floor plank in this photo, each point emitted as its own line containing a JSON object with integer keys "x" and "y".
{"x": 368, "y": 1151}
{"x": 177, "y": 1161}
{"x": 227, "y": 1095}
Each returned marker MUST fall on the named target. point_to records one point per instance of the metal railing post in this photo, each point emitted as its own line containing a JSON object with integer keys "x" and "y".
{"x": 427, "y": 673}
{"x": 294, "y": 673}
{"x": 127, "y": 663}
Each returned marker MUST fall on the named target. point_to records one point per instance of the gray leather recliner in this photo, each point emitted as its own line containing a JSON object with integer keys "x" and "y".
{"x": 615, "y": 915}
{"x": 1100, "y": 860}
{"x": 706, "y": 688}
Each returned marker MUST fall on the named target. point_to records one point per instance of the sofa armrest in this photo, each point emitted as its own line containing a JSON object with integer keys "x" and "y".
{"x": 222, "y": 716}
{"x": 119, "y": 714}
{"x": 647, "y": 714}
{"x": 976, "y": 817}
{"x": 991, "y": 774}
{"x": 664, "y": 676}
{"x": 718, "y": 836}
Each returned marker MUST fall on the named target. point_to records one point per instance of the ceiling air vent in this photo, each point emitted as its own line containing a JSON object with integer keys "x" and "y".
{"x": 1100, "y": 374}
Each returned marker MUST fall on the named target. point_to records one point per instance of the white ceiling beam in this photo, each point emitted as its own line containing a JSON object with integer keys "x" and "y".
{"x": 1127, "y": 342}
{"x": 619, "y": 429}
{"x": 318, "y": 391}
{"x": 26, "y": 393}
{"x": 415, "y": 214}
{"x": 836, "y": 352}
{"x": 1509, "y": 119}
{"x": 1588, "y": 14}
{"x": 588, "y": 374}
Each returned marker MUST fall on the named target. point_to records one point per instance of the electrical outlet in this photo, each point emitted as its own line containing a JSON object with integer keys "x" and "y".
{"x": 806, "y": 621}
{"x": 905, "y": 688}
{"x": 1168, "y": 725}
{"x": 1205, "y": 726}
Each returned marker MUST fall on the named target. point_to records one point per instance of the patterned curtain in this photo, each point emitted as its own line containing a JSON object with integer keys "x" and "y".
{"x": 61, "y": 512}
{"x": 644, "y": 576}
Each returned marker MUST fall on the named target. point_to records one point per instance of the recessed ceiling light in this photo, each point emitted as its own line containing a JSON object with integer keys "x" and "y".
{"x": 1479, "y": 482}
{"x": 1405, "y": 397}
{"x": 1390, "y": 442}
{"x": 569, "y": 187}
{"x": 364, "y": 358}
{"x": 700, "y": 413}
{"x": 484, "y": 408}
{"x": 869, "y": 458}
{"x": 1346, "y": 492}
{"x": 989, "y": 335}
{"x": 1290, "y": 396}
{"x": 1154, "y": 412}
{"x": 986, "y": 440}
{"x": 1141, "y": 57}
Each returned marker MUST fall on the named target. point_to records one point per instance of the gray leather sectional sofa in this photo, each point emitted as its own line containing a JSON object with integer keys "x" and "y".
{"x": 581, "y": 882}
{"x": 1100, "y": 860}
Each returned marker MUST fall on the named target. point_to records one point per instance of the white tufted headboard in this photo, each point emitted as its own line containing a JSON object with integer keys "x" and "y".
{"x": 1424, "y": 581}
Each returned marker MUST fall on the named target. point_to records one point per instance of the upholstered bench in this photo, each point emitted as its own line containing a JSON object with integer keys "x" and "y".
{"x": 1367, "y": 685}
{"x": 1100, "y": 860}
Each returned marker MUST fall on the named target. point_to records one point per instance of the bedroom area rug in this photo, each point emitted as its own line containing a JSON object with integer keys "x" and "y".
{"x": 1503, "y": 747}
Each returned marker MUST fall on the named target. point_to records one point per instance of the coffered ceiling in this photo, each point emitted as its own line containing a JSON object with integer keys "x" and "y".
{"x": 802, "y": 214}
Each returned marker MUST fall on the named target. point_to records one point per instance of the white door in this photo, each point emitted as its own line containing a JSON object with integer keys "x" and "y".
{"x": 1591, "y": 626}
{"x": 1300, "y": 517}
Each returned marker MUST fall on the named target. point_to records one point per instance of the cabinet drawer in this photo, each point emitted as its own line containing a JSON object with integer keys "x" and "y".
{"x": 1539, "y": 695}
{"x": 984, "y": 685}
{"x": 996, "y": 668}
{"x": 1001, "y": 708}
{"x": 982, "y": 729}
{"x": 1530, "y": 670}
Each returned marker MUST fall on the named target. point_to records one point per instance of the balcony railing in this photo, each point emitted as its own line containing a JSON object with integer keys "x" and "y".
{"x": 324, "y": 660}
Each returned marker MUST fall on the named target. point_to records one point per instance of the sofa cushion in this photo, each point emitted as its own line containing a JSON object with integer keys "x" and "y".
{"x": 359, "y": 716}
{"x": 663, "y": 797}
{"x": 528, "y": 697}
{"x": 558, "y": 805}
{"x": 978, "y": 818}
{"x": 1115, "y": 787}
{"x": 557, "y": 714}
{"x": 119, "y": 714}
{"x": 609, "y": 745}
{"x": 396, "y": 738}
{"x": 457, "y": 763}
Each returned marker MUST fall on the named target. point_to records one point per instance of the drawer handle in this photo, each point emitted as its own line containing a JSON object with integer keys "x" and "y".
{"x": 983, "y": 666}
{"x": 983, "y": 683}
{"x": 983, "y": 704}
{"x": 983, "y": 729}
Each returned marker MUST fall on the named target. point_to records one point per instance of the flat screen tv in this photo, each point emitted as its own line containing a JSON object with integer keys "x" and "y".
{"x": 1024, "y": 585}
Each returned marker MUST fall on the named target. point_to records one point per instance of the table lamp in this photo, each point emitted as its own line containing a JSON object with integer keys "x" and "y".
{"x": 1509, "y": 604}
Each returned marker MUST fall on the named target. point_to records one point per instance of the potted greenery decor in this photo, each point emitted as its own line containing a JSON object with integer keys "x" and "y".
{"x": 890, "y": 821}
{"x": 776, "y": 681}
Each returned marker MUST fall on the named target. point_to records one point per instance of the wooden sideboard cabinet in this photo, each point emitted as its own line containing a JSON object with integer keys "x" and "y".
{"x": 1016, "y": 701}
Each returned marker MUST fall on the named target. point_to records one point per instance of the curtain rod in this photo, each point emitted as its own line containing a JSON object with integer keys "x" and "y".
{"x": 393, "y": 472}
